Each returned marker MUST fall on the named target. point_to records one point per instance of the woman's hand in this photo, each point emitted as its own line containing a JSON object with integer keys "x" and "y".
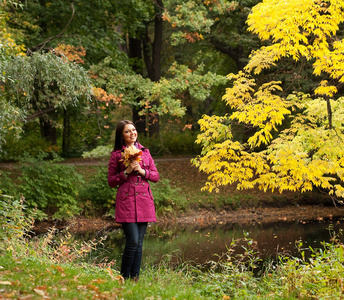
{"x": 129, "y": 169}
{"x": 135, "y": 166}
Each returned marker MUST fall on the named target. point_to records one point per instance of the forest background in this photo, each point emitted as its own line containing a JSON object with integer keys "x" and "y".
{"x": 253, "y": 95}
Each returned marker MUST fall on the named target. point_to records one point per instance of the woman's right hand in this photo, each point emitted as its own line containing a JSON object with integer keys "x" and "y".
{"x": 133, "y": 166}
{"x": 130, "y": 168}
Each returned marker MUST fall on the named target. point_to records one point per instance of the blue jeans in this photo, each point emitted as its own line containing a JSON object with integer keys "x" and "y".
{"x": 132, "y": 255}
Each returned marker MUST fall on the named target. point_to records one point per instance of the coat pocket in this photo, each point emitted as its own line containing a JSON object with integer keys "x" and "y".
{"x": 122, "y": 193}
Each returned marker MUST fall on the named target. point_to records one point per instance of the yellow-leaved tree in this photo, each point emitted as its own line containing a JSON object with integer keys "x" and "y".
{"x": 293, "y": 141}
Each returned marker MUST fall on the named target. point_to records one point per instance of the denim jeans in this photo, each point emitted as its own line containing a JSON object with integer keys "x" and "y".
{"x": 132, "y": 255}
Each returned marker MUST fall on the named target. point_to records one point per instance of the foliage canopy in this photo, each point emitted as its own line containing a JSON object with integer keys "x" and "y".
{"x": 295, "y": 142}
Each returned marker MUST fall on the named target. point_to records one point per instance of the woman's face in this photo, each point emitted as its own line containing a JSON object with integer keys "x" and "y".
{"x": 129, "y": 134}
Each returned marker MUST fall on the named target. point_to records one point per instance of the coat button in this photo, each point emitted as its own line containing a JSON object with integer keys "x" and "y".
{"x": 143, "y": 183}
{"x": 136, "y": 183}
{"x": 137, "y": 194}
{"x": 144, "y": 194}
{"x": 126, "y": 194}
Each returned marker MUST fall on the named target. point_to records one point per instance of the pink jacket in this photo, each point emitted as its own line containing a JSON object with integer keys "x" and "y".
{"x": 134, "y": 199}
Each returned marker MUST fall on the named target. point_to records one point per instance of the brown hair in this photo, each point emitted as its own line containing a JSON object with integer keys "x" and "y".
{"x": 119, "y": 143}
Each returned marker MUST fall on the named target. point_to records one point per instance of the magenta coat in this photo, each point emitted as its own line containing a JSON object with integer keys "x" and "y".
{"x": 134, "y": 199}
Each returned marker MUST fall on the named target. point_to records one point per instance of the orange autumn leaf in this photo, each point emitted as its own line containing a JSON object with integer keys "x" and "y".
{"x": 99, "y": 280}
{"x": 71, "y": 53}
{"x": 110, "y": 272}
{"x": 120, "y": 279}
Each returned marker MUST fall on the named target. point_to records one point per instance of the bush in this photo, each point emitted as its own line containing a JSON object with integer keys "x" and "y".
{"x": 98, "y": 152}
{"x": 47, "y": 186}
{"x": 98, "y": 191}
{"x": 14, "y": 223}
{"x": 167, "y": 199}
{"x": 32, "y": 144}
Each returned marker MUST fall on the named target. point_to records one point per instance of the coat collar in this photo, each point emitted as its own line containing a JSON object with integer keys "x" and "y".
{"x": 137, "y": 145}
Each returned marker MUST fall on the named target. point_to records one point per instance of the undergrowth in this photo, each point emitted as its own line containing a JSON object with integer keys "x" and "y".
{"x": 51, "y": 267}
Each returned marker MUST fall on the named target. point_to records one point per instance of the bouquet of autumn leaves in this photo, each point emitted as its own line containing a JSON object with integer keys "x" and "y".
{"x": 130, "y": 154}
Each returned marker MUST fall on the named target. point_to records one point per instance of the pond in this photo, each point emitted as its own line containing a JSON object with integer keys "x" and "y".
{"x": 199, "y": 245}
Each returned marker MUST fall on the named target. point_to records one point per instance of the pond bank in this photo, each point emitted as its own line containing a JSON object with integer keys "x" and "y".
{"x": 205, "y": 218}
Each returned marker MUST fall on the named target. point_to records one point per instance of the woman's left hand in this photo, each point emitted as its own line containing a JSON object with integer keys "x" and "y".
{"x": 136, "y": 167}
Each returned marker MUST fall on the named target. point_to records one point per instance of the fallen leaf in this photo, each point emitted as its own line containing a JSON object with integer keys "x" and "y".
{"x": 93, "y": 287}
{"x": 120, "y": 279}
{"x": 42, "y": 287}
{"x": 59, "y": 269}
{"x": 110, "y": 273}
{"x": 99, "y": 281}
{"x": 5, "y": 282}
{"x": 39, "y": 292}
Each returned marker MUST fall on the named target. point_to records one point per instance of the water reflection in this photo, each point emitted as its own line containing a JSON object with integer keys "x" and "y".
{"x": 201, "y": 245}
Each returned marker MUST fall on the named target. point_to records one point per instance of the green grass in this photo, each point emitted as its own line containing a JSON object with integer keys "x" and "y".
{"x": 37, "y": 278}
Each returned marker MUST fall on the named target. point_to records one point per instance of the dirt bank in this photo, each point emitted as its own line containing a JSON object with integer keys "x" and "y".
{"x": 203, "y": 218}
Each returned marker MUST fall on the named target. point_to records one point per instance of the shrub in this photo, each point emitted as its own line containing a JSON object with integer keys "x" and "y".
{"x": 98, "y": 191}
{"x": 14, "y": 223}
{"x": 47, "y": 186}
{"x": 32, "y": 144}
{"x": 98, "y": 152}
{"x": 167, "y": 198}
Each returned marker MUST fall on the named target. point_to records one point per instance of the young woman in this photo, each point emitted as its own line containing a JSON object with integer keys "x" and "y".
{"x": 134, "y": 199}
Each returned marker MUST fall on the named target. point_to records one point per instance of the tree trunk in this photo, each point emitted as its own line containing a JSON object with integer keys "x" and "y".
{"x": 48, "y": 131}
{"x": 153, "y": 65}
{"x": 135, "y": 53}
{"x": 139, "y": 121}
{"x": 329, "y": 112}
{"x": 66, "y": 133}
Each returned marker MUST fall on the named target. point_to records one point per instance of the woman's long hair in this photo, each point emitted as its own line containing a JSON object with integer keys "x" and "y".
{"x": 119, "y": 142}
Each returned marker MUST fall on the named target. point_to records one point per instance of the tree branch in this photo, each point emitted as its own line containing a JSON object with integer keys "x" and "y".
{"x": 329, "y": 112}
{"x": 42, "y": 45}
{"x": 236, "y": 53}
{"x": 40, "y": 113}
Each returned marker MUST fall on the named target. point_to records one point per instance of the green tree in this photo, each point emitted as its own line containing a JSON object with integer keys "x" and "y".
{"x": 10, "y": 114}
{"x": 212, "y": 33}
{"x": 42, "y": 83}
{"x": 131, "y": 60}
{"x": 216, "y": 26}
{"x": 307, "y": 151}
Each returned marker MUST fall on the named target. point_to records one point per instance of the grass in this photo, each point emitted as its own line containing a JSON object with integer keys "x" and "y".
{"x": 36, "y": 278}
{"x": 49, "y": 268}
